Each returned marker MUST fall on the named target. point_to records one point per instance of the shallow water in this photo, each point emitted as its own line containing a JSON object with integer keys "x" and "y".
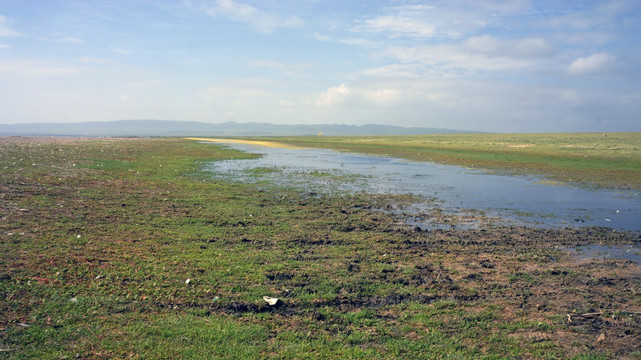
{"x": 509, "y": 199}
{"x": 628, "y": 252}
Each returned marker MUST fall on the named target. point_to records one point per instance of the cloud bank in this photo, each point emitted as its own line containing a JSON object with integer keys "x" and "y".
{"x": 490, "y": 65}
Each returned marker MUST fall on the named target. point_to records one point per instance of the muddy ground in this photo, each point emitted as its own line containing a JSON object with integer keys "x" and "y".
{"x": 106, "y": 223}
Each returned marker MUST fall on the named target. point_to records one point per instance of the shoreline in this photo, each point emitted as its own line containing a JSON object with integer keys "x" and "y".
{"x": 272, "y": 144}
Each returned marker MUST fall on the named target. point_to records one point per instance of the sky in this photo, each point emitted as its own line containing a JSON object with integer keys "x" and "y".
{"x": 483, "y": 65}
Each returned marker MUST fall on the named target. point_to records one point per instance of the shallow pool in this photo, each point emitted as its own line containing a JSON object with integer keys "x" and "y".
{"x": 525, "y": 200}
{"x": 628, "y": 252}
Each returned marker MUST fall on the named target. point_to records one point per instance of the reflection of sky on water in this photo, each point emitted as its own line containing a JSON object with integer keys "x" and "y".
{"x": 452, "y": 187}
{"x": 627, "y": 252}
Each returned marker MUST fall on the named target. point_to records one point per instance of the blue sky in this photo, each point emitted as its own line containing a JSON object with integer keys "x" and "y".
{"x": 500, "y": 66}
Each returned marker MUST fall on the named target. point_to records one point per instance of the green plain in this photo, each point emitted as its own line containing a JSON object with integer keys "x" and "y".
{"x": 595, "y": 159}
{"x": 127, "y": 249}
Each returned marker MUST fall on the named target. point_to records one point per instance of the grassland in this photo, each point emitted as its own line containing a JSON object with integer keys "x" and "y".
{"x": 609, "y": 160}
{"x": 123, "y": 248}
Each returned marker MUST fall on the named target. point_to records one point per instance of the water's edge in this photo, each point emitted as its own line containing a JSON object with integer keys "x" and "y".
{"x": 453, "y": 190}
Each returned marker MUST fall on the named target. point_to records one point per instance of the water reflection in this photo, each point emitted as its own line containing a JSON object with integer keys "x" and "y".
{"x": 527, "y": 200}
{"x": 628, "y": 252}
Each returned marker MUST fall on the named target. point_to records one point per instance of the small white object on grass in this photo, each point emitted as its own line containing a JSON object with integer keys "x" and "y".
{"x": 270, "y": 300}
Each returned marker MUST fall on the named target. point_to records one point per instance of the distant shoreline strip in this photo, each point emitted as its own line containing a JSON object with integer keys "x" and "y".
{"x": 246, "y": 142}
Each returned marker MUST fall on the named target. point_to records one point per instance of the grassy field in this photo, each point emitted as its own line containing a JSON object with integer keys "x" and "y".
{"x": 610, "y": 160}
{"x": 124, "y": 248}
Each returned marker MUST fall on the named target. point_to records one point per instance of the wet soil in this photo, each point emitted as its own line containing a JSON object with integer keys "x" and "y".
{"x": 522, "y": 272}
{"x": 455, "y": 190}
{"x": 343, "y": 255}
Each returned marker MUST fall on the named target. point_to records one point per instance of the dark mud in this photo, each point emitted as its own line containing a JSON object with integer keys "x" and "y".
{"x": 523, "y": 272}
{"x": 329, "y": 258}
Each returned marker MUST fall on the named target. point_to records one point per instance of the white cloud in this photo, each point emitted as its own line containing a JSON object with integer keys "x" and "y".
{"x": 476, "y": 54}
{"x": 72, "y": 40}
{"x": 92, "y": 60}
{"x": 58, "y": 38}
{"x": 260, "y": 20}
{"x": 593, "y": 63}
{"x": 462, "y": 103}
{"x": 397, "y": 26}
{"x": 324, "y": 38}
{"x": 119, "y": 50}
{"x": 347, "y": 40}
{"x": 286, "y": 103}
{"x": 451, "y": 19}
{"x": 531, "y": 47}
{"x": 395, "y": 71}
{"x": 484, "y": 44}
{"x": 590, "y": 38}
{"x": 289, "y": 69}
{"x": 571, "y": 96}
{"x": 446, "y": 58}
{"x": 5, "y": 30}
{"x": 34, "y": 68}
{"x": 522, "y": 48}
{"x": 144, "y": 84}
{"x": 591, "y": 17}
{"x": 333, "y": 95}
{"x": 382, "y": 96}
{"x": 279, "y": 65}
{"x": 241, "y": 92}
{"x": 497, "y": 6}
{"x": 357, "y": 41}
{"x": 267, "y": 64}
{"x": 345, "y": 94}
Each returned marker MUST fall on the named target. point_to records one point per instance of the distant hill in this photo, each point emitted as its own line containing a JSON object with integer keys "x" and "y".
{"x": 145, "y": 128}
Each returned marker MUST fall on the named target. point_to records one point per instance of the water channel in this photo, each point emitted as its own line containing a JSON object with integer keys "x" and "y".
{"x": 521, "y": 200}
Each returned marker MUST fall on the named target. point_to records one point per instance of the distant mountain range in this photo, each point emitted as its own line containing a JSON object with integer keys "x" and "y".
{"x": 146, "y": 128}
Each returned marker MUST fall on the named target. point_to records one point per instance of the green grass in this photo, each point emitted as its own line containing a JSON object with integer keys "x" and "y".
{"x": 611, "y": 160}
{"x": 99, "y": 237}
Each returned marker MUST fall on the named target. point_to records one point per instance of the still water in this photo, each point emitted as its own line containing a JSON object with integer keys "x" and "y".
{"x": 457, "y": 190}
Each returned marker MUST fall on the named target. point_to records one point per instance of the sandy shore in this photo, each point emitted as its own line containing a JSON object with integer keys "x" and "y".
{"x": 248, "y": 142}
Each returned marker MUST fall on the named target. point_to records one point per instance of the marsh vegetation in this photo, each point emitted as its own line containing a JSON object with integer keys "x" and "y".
{"x": 502, "y": 199}
{"x": 126, "y": 248}
{"x": 593, "y": 159}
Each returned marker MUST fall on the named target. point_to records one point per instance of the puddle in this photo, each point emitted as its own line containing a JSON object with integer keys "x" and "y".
{"x": 629, "y": 252}
{"x": 452, "y": 189}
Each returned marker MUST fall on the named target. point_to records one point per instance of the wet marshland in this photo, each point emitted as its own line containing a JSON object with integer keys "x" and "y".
{"x": 476, "y": 195}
